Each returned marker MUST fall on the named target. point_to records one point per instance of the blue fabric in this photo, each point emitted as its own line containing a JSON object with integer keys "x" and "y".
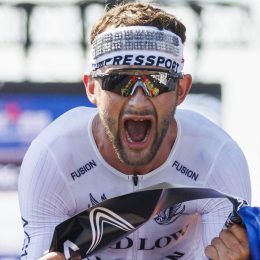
{"x": 251, "y": 219}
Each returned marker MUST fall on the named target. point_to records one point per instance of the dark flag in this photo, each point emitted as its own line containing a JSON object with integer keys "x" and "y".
{"x": 108, "y": 222}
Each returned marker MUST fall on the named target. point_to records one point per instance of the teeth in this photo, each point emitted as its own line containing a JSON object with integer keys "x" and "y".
{"x": 136, "y": 120}
{"x": 129, "y": 139}
{"x": 145, "y": 139}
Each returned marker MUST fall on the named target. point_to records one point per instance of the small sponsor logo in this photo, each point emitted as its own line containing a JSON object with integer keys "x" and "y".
{"x": 138, "y": 60}
{"x": 83, "y": 169}
{"x": 27, "y": 239}
{"x": 185, "y": 171}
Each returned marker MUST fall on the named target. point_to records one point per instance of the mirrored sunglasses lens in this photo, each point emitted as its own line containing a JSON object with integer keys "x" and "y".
{"x": 115, "y": 82}
{"x": 154, "y": 84}
{"x": 157, "y": 83}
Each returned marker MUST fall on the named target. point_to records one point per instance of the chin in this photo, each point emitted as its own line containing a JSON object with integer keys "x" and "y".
{"x": 139, "y": 158}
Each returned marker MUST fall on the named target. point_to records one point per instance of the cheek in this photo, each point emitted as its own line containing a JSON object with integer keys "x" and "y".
{"x": 165, "y": 104}
{"x": 110, "y": 104}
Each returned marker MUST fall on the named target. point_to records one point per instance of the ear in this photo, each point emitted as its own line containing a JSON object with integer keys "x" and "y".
{"x": 90, "y": 88}
{"x": 184, "y": 87}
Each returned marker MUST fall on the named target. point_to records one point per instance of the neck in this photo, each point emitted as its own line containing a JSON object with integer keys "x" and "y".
{"x": 108, "y": 153}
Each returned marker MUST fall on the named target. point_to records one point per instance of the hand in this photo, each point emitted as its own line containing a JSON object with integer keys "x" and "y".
{"x": 53, "y": 256}
{"x": 232, "y": 244}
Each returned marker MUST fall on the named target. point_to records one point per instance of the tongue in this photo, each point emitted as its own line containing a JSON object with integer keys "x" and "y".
{"x": 136, "y": 130}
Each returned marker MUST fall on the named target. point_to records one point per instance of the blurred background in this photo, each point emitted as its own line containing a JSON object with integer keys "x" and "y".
{"x": 44, "y": 51}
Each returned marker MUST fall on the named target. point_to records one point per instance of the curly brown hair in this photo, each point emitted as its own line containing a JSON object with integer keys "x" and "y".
{"x": 133, "y": 14}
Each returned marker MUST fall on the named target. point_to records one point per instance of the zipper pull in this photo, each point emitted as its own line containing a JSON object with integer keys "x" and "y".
{"x": 135, "y": 179}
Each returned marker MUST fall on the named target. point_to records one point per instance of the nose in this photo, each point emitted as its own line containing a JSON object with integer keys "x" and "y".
{"x": 138, "y": 99}
{"x": 140, "y": 84}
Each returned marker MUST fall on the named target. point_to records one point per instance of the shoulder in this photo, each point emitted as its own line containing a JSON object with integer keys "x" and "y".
{"x": 61, "y": 142}
{"x": 195, "y": 124}
{"x": 56, "y": 151}
{"x": 204, "y": 136}
{"x": 69, "y": 124}
{"x": 215, "y": 152}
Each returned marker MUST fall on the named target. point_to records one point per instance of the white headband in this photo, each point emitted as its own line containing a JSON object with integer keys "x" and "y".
{"x": 138, "y": 46}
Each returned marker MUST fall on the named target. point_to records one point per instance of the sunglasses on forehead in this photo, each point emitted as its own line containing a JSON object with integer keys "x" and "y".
{"x": 125, "y": 82}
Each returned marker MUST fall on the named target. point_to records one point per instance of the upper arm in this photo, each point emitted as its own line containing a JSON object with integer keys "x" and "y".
{"x": 229, "y": 174}
{"x": 44, "y": 200}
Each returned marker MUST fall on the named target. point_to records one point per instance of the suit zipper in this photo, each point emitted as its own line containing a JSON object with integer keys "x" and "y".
{"x": 135, "y": 179}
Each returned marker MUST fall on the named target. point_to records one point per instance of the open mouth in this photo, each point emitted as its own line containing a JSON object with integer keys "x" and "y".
{"x": 137, "y": 130}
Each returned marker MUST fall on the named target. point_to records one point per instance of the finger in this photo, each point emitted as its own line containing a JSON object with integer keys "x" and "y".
{"x": 239, "y": 232}
{"x": 229, "y": 239}
{"x": 53, "y": 256}
{"x": 221, "y": 248}
{"x": 229, "y": 247}
{"x": 211, "y": 253}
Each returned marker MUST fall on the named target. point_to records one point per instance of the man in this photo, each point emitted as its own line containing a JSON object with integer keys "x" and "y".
{"x": 134, "y": 139}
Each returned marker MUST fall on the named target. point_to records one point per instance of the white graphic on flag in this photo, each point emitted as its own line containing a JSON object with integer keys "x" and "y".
{"x": 98, "y": 216}
{"x": 67, "y": 246}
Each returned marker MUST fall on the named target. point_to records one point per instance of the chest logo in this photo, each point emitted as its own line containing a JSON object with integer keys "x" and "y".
{"x": 94, "y": 202}
{"x": 170, "y": 214}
